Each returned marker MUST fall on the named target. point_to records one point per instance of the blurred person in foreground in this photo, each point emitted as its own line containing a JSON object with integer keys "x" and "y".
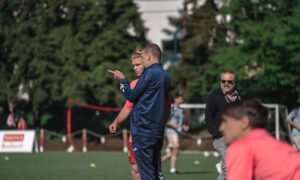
{"x": 293, "y": 119}
{"x": 218, "y": 100}
{"x": 149, "y": 113}
{"x": 125, "y": 112}
{"x": 174, "y": 128}
{"x": 253, "y": 153}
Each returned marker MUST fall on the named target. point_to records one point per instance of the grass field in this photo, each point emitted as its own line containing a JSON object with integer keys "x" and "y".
{"x": 108, "y": 166}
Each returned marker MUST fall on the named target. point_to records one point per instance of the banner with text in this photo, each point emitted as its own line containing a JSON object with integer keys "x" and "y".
{"x": 17, "y": 141}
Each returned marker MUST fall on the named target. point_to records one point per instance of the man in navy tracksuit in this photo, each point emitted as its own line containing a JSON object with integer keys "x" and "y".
{"x": 149, "y": 113}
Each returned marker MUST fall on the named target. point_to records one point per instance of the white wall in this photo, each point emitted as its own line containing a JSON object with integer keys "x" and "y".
{"x": 155, "y": 15}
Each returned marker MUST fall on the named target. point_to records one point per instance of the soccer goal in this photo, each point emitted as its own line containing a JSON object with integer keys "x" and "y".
{"x": 85, "y": 120}
{"x": 277, "y": 125}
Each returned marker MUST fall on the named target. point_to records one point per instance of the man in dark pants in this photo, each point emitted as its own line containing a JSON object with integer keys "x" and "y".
{"x": 149, "y": 113}
{"x": 217, "y": 101}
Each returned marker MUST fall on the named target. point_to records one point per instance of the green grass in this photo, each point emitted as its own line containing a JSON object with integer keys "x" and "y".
{"x": 109, "y": 166}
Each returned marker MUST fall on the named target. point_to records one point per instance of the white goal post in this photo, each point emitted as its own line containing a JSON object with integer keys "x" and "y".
{"x": 277, "y": 126}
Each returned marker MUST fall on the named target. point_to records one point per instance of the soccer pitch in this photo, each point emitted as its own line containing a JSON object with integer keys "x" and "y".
{"x": 95, "y": 166}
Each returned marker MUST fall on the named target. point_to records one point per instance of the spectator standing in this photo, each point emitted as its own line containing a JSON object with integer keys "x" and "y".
{"x": 11, "y": 117}
{"x": 218, "y": 100}
{"x": 22, "y": 125}
{"x": 125, "y": 112}
{"x": 294, "y": 119}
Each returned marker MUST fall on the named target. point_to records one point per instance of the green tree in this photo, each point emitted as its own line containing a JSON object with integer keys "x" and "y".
{"x": 263, "y": 51}
{"x": 203, "y": 34}
{"x": 62, "y": 49}
{"x": 266, "y": 56}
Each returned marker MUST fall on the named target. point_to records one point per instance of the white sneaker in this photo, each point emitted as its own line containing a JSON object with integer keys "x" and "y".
{"x": 173, "y": 171}
{"x": 219, "y": 167}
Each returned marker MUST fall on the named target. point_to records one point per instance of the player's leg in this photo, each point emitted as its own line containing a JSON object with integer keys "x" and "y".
{"x": 131, "y": 158}
{"x": 174, "y": 139}
{"x": 166, "y": 156}
{"x": 174, "y": 159}
{"x": 170, "y": 146}
{"x": 135, "y": 172}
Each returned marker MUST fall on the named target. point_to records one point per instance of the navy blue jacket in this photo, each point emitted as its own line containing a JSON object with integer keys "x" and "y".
{"x": 148, "y": 96}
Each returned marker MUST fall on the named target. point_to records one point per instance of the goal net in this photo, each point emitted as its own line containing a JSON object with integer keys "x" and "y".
{"x": 100, "y": 113}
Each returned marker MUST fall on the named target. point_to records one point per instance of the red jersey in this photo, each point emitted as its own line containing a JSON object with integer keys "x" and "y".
{"x": 258, "y": 155}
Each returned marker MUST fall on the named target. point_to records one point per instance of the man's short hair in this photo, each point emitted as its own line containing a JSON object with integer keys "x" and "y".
{"x": 178, "y": 94}
{"x": 137, "y": 53}
{"x": 225, "y": 72}
{"x": 251, "y": 108}
{"x": 154, "y": 50}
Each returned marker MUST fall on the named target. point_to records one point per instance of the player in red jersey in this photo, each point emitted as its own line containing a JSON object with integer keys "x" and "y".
{"x": 125, "y": 112}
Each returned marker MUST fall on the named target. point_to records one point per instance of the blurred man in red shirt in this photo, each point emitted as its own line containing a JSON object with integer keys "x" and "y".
{"x": 253, "y": 153}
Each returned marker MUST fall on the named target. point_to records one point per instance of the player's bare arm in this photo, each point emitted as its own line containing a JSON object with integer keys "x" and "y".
{"x": 113, "y": 127}
{"x": 175, "y": 126}
{"x": 291, "y": 122}
{"x": 122, "y": 116}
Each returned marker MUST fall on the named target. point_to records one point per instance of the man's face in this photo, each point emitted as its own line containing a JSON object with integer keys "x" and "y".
{"x": 145, "y": 57}
{"x": 232, "y": 129}
{"x": 137, "y": 66}
{"x": 178, "y": 100}
{"x": 227, "y": 82}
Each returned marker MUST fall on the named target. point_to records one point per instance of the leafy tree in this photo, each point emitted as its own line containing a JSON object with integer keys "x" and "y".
{"x": 264, "y": 50}
{"x": 203, "y": 33}
{"x": 62, "y": 49}
{"x": 267, "y": 58}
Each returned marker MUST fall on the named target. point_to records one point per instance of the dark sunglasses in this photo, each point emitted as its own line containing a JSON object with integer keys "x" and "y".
{"x": 228, "y": 81}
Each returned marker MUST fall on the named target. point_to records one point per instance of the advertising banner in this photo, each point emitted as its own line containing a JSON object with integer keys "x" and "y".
{"x": 17, "y": 141}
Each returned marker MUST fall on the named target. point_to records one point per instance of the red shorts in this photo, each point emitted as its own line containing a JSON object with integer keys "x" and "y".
{"x": 131, "y": 157}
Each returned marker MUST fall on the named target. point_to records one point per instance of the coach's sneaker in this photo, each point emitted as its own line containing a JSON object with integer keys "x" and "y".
{"x": 160, "y": 175}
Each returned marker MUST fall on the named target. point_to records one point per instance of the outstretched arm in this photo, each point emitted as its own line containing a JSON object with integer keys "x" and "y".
{"x": 131, "y": 94}
{"x": 117, "y": 74}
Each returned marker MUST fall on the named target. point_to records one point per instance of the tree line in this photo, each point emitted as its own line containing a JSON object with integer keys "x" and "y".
{"x": 258, "y": 40}
{"x": 56, "y": 50}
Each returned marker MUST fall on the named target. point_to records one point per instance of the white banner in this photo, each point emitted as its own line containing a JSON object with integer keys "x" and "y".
{"x": 17, "y": 140}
